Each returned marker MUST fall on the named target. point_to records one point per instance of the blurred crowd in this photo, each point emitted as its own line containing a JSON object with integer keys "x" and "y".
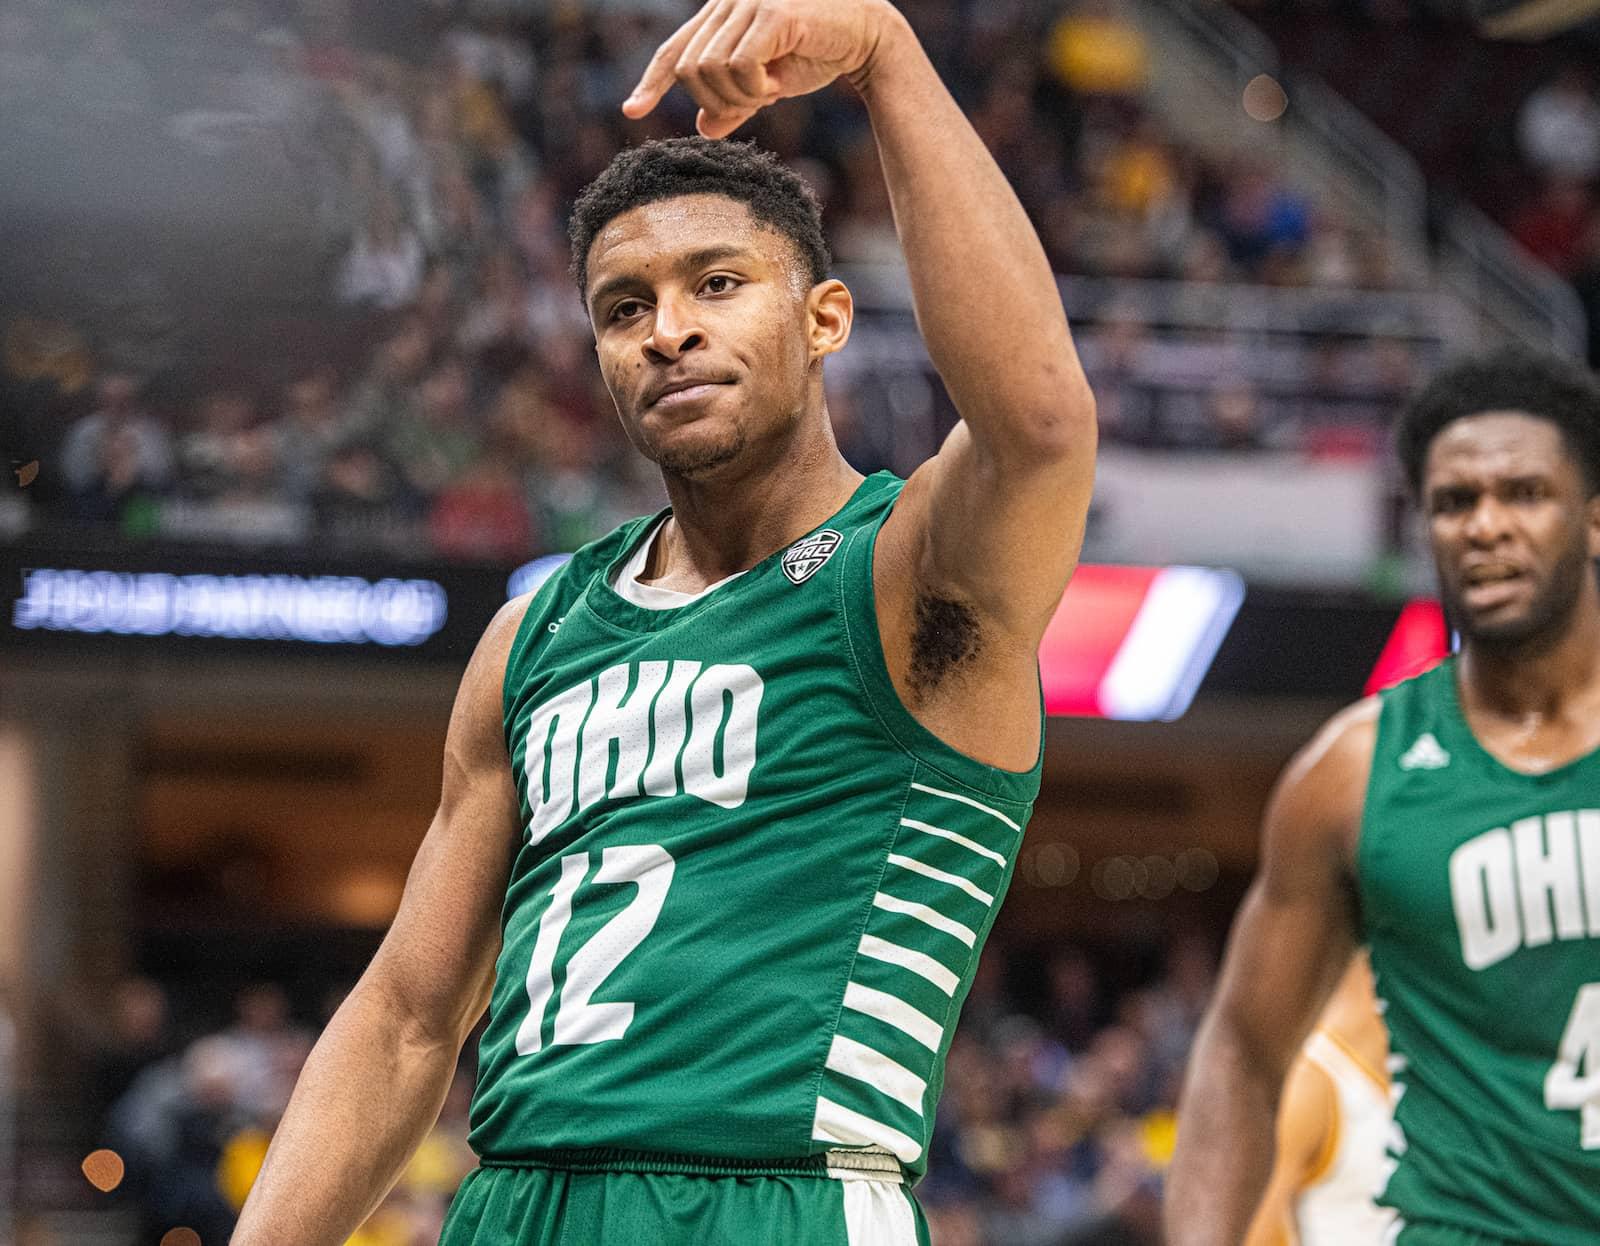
{"x": 1512, "y": 126}
{"x": 190, "y": 1118}
{"x": 296, "y": 270}
{"x": 1054, "y": 1129}
{"x": 1558, "y": 219}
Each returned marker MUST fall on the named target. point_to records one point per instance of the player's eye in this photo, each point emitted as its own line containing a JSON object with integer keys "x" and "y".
{"x": 1451, "y": 501}
{"x": 719, "y": 283}
{"x": 625, "y": 309}
{"x": 1525, "y": 491}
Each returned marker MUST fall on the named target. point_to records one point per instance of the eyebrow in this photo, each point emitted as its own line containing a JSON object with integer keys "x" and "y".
{"x": 701, "y": 257}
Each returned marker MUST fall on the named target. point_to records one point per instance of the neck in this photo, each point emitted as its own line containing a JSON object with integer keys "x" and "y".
{"x": 1541, "y": 677}
{"x": 730, "y": 521}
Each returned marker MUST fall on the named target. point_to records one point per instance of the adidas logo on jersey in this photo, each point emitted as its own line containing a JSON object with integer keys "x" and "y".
{"x": 805, "y": 557}
{"x": 1426, "y": 754}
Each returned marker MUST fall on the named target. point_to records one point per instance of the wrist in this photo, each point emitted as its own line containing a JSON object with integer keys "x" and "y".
{"x": 894, "y": 46}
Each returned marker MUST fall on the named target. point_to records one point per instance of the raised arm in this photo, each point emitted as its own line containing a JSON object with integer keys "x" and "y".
{"x": 973, "y": 562}
{"x": 995, "y": 520}
{"x": 1291, "y": 942}
{"x": 377, "y": 1078}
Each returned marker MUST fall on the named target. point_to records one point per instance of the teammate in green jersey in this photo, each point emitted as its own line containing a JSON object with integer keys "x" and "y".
{"x": 730, "y": 803}
{"x": 1452, "y": 824}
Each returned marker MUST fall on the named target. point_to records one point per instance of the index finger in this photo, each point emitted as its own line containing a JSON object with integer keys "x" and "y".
{"x": 659, "y": 74}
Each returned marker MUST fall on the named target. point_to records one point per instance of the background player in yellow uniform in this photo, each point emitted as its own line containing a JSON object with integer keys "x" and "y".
{"x": 1333, "y": 1127}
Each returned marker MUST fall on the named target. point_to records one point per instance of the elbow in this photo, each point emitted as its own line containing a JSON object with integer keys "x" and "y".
{"x": 1064, "y": 428}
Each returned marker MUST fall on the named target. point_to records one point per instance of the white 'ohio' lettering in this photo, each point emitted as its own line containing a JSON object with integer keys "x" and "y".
{"x": 1524, "y": 886}
{"x": 686, "y": 710}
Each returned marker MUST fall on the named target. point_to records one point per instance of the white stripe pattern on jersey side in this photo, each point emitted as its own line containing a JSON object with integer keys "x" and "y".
{"x": 887, "y": 1076}
{"x": 965, "y": 800}
{"x": 941, "y": 876}
{"x": 971, "y": 845}
{"x": 927, "y": 916}
{"x": 837, "y": 1123}
{"x": 922, "y": 965}
{"x": 891, "y": 1010}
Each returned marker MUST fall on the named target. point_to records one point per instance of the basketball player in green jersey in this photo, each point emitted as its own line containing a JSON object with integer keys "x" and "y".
{"x": 1453, "y": 825}
{"x": 730, "y": 803}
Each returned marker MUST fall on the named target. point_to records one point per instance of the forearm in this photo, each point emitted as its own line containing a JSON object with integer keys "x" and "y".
{"x": 986, "y": 299}
{"x": 368, "y": 1095}
{"x": 1226, "y": 1130}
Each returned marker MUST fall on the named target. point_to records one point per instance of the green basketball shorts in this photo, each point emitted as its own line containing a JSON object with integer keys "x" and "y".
{"x": 785, "y": 1205}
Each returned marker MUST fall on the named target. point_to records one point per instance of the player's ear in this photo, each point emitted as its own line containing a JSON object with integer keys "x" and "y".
{"x": 830, "y": 311}
{"x": 1591, "y": 514}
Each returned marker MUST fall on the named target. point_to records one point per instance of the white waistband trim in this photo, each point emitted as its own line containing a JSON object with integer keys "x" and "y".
{"x": 866, "y": 1165}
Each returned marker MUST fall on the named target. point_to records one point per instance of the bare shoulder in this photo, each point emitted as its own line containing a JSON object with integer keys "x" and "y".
{"x": 1323, "y": 790}
{"x": 475, "y": 724}
{"x": 494, "y": 646}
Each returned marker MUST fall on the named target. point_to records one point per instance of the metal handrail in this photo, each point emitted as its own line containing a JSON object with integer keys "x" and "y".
{"x": 1372, "y": 159}
{"x": 1515, "y": 293}
{"x": 1511, "y": 293}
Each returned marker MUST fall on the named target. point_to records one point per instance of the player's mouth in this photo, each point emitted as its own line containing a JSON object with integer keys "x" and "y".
{"x": 1489, "y": 584}
{"x": 681, "y": 393}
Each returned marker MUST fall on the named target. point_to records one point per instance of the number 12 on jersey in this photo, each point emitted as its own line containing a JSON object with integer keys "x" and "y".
{"x": 1573, "y": 1083}
{"x": 649, "y": 867}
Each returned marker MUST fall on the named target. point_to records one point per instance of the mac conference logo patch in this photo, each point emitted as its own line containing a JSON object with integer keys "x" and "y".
{"x": 803, "y": 559}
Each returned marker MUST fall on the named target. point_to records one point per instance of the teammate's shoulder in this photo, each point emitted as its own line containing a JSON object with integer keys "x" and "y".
{"x": 1346, "y": 737}
{"x": 1337, "y": 760}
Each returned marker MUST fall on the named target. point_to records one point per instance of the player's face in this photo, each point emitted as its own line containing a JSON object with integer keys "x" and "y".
{"x": 1513, "y": 529}
{"x": 701, "y": 322}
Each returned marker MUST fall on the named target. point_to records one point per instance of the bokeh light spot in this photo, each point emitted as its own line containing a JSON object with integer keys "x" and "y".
{"x": 1197, "y": 869}
{"x": 180, "y": 1237}
{"x": 1264, "y": 99}
{"x": 104, "y": 1169}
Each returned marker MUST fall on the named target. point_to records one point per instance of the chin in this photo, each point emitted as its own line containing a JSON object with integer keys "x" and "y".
{"x": 1527, "y": 626}
{"x": 695, "y": 452}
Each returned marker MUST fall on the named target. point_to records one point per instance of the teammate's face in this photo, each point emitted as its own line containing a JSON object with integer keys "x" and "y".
{"x": 1513, "y": 528}
{"x": 708, "y": 330}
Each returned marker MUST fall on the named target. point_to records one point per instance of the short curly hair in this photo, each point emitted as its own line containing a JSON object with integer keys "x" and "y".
{"x": 1513, "y": 378}
{"x": 666, "y": 168}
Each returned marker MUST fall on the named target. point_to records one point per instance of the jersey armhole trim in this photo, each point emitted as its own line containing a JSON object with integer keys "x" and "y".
{"x": 858, "y": 611}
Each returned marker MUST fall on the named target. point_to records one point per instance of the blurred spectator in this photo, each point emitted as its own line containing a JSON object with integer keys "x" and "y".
{"x": 1552, "y": 227}
{"x": 116, "y": 453}
{"x": 1095, "y": 49}
{"x": 1259, "y": 217}
{"x": 1558, "y": 129}
{"x": 384, "y": 266}
{"x": 432, "y": 443}
{"x": 307, "y": 433}
{"x": 1074, "y": 1009}
{"x": 481, "y": 515}
{"x": 210, "y": 458}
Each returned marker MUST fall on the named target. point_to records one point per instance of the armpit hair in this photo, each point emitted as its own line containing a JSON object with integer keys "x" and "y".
{"x": 946, "y": 637}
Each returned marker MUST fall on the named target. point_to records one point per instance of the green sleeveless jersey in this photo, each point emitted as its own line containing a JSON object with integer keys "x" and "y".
{"x": 1480, "y": 898}
{"x": 751, "y": 888}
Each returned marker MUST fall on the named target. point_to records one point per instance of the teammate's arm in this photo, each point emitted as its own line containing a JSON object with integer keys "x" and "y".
{"x": 1292, "y": 940}
{"x": 1307, "y": 1119}
{"x": 377, "y": 1078}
